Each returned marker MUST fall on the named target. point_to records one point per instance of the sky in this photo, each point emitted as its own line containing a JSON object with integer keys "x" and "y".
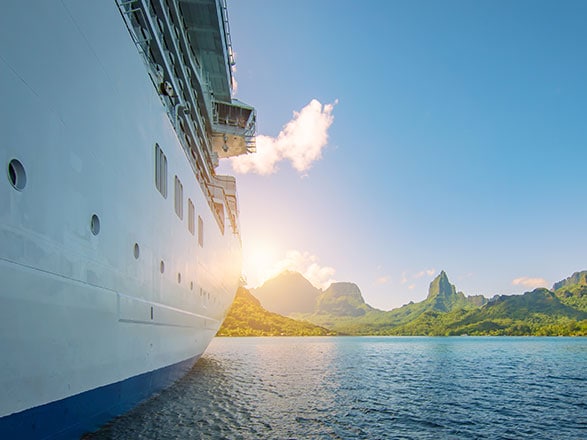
{"x": 397, "y": 139}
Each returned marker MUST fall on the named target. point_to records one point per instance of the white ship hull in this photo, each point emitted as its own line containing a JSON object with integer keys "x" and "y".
{"x": 89, "y": 323}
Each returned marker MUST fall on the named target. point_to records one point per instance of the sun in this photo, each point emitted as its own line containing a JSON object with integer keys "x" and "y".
{"x": 259, "y": 262}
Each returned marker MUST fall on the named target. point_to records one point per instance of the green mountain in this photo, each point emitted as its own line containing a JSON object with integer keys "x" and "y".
{"x": 443, "y": 296}
{"x": 342, "y": 308}
{"x": 288, "y": 293}
{"x": 578, "y": 278}
{"x": 573, "y": 291}
{"x": 342, "y": 299}
{"x": 539, "y": 301}
{"x": 246, "y": 317}
{"x": 447, "y": 312}
{"x": 540, "y": 312}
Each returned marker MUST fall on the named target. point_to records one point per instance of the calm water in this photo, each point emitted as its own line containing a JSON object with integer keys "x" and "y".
{"x": 373, "y": 388}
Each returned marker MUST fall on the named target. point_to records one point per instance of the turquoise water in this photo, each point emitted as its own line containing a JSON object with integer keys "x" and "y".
{"x": 373, "y": 388}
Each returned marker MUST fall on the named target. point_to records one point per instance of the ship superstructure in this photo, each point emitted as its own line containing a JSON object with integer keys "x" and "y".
{"x": 188, "y": 54}
{"x": 120, "y": 246}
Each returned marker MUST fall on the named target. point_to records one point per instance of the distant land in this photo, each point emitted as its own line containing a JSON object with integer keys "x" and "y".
{"x": 247, "y": 317}
{"x": 341, "y": 309}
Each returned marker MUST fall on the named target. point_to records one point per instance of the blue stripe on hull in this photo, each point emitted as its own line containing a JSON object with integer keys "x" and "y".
{"x": 73, "y": 416}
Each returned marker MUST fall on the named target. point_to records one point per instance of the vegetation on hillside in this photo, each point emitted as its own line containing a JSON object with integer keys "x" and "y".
{"x": 342, "y": 309}
{"x": 448, "y": 312}
{"x": 247, "y": 317}
{"x": 574, "y": 296}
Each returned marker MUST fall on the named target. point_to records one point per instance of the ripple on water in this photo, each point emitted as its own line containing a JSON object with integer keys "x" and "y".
{"x": 363, "y": 388}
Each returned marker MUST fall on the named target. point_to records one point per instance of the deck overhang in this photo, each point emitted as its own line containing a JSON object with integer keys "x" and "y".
{"x": 233, "y": 128}
{"x": 206, "y": 24}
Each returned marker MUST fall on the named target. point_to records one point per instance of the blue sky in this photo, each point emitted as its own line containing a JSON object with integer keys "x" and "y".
{"x": 456, "y": 140}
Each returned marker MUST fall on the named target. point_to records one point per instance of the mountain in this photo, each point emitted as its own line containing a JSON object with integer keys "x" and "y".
{"x": 342, "y": 299}
{"x": 247, "y": 317}
{"x": 342, "y": 308}
{"x": 539, "y": 312}
{"x": 578, "y": 278}
{"x": 445, "y": 311}
{"x": 540, "y": 301}
{"x": 573, "y": 291}
{"x": 440, "y": 287}
{"x": 443, "y": 296}
{"x": 288, "y": 293}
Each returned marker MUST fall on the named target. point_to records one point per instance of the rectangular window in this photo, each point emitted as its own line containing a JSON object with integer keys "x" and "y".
{"x": 160, "y": 171}
{"x": 200, "y": 231}
{"x": 178, "y": 198}
{"x": 191, "y": 217}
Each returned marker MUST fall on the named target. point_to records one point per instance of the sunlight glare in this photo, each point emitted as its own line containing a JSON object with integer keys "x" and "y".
{"x": 259, "y": 260}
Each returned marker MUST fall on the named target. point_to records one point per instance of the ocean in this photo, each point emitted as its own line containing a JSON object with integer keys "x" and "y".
{"x": 372, "y": 388}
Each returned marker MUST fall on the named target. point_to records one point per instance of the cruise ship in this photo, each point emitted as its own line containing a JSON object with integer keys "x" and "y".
{"x": 120, "y": 249}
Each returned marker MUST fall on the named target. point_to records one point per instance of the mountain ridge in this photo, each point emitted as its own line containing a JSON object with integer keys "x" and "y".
{"x": 446, "y": 311}
{"x": 576, "y": 278}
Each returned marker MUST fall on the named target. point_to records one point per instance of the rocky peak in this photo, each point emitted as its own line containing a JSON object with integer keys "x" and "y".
{"x": 342, "y": 299}
{"x": 343, "y": 289}
{"x": 578, "y": 278}
{"x": 443, "y": 296}
{"x": 441, "y": 287}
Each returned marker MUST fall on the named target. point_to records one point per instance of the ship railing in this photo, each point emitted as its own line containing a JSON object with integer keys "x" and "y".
{"x": 187, "y": 70}
{"x": 159, "y": 32}
{"x": 224, "y": 132}
{"x": 157, "y": 38}
{"x": 224, "y": 200}
{"x": 218, "y": 197}
{"x": 227, "y": 38}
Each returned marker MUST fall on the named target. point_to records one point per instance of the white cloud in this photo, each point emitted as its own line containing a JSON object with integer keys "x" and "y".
{"x": 308, "y": 265}
{"x": 383, "y": 280}
{"x": 428, "y": 272}
{"x": 530, "y": 282}
{"x": 301, "y": 141}
{"x": 261, "y": 162}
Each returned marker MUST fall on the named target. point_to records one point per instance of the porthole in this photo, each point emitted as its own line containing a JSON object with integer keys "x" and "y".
{"x": 136, "y": 251}
{"x": 179, "y": 277}
{"x": 162, "y": 266}
{"x": 95, "y": 224}
{"x": 16, "y": 174}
